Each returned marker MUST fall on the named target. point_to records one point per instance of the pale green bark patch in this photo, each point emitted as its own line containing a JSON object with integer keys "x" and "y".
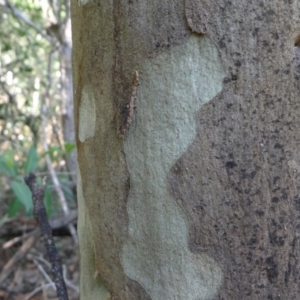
{"x": 174, "y": 85}
{"x": 87, "y": 114}
{"x": 83, "y": 2}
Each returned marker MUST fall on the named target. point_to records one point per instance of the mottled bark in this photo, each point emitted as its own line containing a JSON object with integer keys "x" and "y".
{"x": 199, "y": 199}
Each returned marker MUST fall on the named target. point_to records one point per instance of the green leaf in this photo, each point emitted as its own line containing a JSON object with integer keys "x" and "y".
{"x": 8, "y": 164}
{"x": 23, "y": 194}
{"x": 69, "y": 148}
{"x": 14, "y": 208}
{"x": 48, "y": 201}
{"x": 67, "y": 192}
{"x": 6, "y": 47}
{"x": 21, "y": 32}
{"x": 26, "y": 69}
{"x": 53, "y": 152}
{"x": 32, "y": 160}
{"x": 6, "y": 169}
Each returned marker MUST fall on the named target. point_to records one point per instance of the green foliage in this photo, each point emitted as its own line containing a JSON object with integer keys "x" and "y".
{"x": 23, "y": 59}
{"x": 69, "y": 147}
{"x": 20, "y": 199}
{"x": 54, "y": 152}
{"x": 14, "y": 208}
{"x": 32, "y": 161}
{"x": 24, "y": 81}
{"x": 23, "y": 194}
{"x": 7, "y": 164}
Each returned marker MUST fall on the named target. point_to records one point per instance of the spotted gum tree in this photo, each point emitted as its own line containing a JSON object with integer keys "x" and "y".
{"x": 187, "y": 124}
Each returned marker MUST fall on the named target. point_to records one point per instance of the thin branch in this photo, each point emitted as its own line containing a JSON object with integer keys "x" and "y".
{"x": 9, "y": 266}
{"x": 37, "y": 290}
{"x": 54, "y": 223}
{"x": 21, "y": 17}
{"x": 52, "y": 172}
{"x": 40, "y": 215}
{"x": 44, "y": 273}
{"x": 17, "y": 239}
{"x": 68, "y": 282}
{"x": 38, "y": 257}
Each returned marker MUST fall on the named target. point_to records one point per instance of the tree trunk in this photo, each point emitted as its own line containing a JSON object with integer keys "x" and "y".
{"x": 65, "y": 50}
{"x": 187, "y": 124}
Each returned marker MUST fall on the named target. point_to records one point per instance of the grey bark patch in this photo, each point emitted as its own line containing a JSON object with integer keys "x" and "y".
{"x": 174, "y": 86}
{"x": 246, "y": 213}
{"x": 197, "y": 15}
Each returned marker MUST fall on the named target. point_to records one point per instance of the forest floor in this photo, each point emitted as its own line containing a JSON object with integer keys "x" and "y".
{"x": 25, "y": 271}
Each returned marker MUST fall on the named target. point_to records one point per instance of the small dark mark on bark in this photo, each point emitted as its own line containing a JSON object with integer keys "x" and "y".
{"x": 231, "y": 164}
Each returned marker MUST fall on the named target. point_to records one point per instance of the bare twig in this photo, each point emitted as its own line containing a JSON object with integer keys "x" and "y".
{"x": 30, "y": 239}
{"x": 53, "y": 174}
{"x": 68, "y": 282}
{"x": 9, "y": 266}
{"x": 41, "y": 269}
{"x": 37, "y": 290}
{"x": 40, "y": 215}
{"x": 64, "y": 221}
{"x": 54, "y": 223}
{"x": 18, "y": 239}
{"x": 20, "y": 16}
{"x": 38, "y": 257}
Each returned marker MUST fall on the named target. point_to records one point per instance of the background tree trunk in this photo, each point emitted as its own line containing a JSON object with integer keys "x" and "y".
{"x": 67, "y": 96}
{"x": 199, "y": 197}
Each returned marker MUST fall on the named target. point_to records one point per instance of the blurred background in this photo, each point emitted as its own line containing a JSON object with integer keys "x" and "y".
{"x": 36, "y": 135}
